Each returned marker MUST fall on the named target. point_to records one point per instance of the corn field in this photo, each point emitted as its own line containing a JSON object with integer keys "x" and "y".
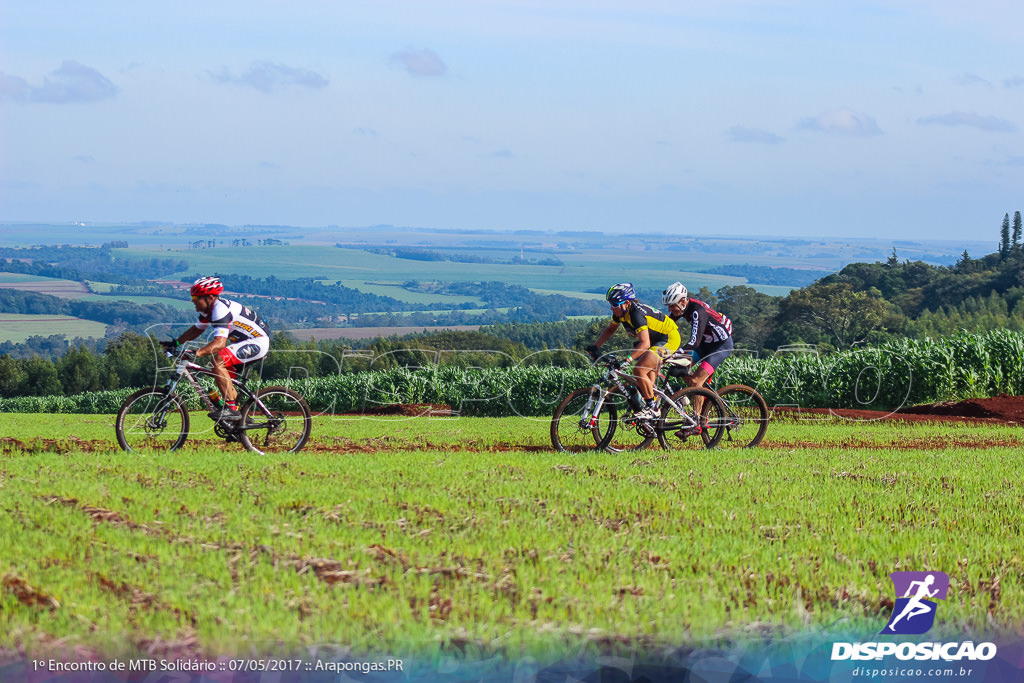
{"x": 884, "y": 377}
{"x": 901, "y": 372}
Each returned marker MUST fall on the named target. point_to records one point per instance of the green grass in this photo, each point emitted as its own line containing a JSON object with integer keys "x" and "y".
{"x": 426, "y": 536}
{"x": 17, "y": 327}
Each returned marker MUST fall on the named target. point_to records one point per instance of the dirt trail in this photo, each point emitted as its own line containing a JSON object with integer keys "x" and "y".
{"x": 996, "y": 410}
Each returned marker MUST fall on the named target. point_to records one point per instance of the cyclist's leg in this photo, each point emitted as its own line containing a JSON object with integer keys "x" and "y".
{"x": 710, "y": 357}
{"x": 229, "y": 359}
{"x": 646, "y": 367}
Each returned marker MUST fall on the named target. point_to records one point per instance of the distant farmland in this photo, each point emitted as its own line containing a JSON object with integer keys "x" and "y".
{"x": 16, "y": 327}
{"x": 369, "y": 332}
{"x": 66, "y": 289}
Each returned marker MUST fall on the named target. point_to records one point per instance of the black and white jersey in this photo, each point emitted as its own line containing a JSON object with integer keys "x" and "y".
{"x": 233, "y": 320}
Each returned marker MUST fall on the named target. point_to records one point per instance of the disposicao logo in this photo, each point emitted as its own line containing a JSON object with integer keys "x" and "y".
{"x": 914, "y": 611}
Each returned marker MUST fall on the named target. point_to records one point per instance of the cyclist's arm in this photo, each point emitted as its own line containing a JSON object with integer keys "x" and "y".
{"x": 189, "y": 334}
{"x": 698, "y": 321}
{"x": 215, "y": 345}
{"x": 606, "y": 334}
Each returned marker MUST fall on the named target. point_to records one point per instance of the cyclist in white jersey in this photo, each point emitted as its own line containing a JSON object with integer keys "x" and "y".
{"x": 239, "y": 336}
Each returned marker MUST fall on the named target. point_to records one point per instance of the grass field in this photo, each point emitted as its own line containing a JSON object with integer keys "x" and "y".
{"x": 471, "y": 537}
{"x": 18, "y": 327}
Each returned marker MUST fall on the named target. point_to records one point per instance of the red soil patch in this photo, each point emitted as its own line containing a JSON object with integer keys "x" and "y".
{"x": 409, "y": 409}
{"x": 1001, "y": 409}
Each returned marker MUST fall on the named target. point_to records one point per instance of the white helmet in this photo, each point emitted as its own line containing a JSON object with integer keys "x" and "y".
{"x": 675, "y": 293}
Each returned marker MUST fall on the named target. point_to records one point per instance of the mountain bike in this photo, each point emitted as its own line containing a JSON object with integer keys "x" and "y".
{"x": 746, "y": 412}
{"x": 271, "y": 420}
{"x": 602, "y": 416}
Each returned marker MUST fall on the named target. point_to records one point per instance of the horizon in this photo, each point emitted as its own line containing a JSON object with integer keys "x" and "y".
{"x": 337, "y": 230}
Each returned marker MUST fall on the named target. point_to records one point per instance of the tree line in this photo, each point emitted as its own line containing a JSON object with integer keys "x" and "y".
{"x": 120, "y": 313}
{"x": 84, "y": 263}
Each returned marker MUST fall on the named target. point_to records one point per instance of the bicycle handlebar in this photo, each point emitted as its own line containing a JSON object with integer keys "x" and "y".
{"x": 610, "y": 361}
{"x": 186, "y": 356}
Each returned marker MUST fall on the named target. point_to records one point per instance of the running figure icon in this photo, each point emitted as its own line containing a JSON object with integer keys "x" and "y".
{"x": 914, "y": 608}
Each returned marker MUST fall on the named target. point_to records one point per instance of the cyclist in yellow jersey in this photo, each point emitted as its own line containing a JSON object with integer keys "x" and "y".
{"x": 657, "y": 337}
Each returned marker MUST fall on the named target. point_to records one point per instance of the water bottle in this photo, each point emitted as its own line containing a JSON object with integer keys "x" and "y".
{"x": 635, "y": 399}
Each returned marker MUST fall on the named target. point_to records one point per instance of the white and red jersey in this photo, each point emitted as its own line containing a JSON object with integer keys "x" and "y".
{"x": 233, "y": 320}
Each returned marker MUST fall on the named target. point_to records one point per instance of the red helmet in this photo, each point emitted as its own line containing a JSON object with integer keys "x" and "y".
{"x": 207, "y": 286}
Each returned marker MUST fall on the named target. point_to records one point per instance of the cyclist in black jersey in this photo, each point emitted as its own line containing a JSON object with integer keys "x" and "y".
{"x": 710, "y": 332}
{"x": 657, "y": 337}
{"x": 239, "y": 336}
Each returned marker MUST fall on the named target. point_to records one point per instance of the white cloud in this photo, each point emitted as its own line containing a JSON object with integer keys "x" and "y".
{"x": 422, "y": 62}
{"x": 72, "y": 82}
{"x": 971, "y": 79}
{"x": 756, "y": 135}
{"x": 267, "y": 77}
{"x": 989, "y": 124}
{"x": 841, "y": 122}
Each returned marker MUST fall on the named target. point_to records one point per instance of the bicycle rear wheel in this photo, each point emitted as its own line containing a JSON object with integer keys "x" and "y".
{"x": 682, "y": 428}
{"x": 150, "y": 418}
{"x": 281, "y": 425}
{"x": 746, "y": 414}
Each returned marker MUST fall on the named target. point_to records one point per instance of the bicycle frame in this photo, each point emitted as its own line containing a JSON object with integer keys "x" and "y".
{"x": 612, "y": 377}
{"x": 589, "y": 418}
{"x": 615, "y": 377}
{"x": 188, "y": 371}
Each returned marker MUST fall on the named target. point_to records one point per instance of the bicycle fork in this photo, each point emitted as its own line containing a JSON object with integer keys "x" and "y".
{"x": 588, "y": 420}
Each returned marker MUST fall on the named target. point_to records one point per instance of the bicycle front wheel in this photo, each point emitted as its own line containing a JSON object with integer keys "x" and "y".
{"x": 276, "y": 421}
{"x": 746, "y": 416}
{"x": 574, "y": 426}
{"x": 693, "y": 423}
{"x": 152, "y": 419}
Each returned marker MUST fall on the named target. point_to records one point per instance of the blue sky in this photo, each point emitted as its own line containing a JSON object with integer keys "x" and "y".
{"x": 833, "y": 118}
